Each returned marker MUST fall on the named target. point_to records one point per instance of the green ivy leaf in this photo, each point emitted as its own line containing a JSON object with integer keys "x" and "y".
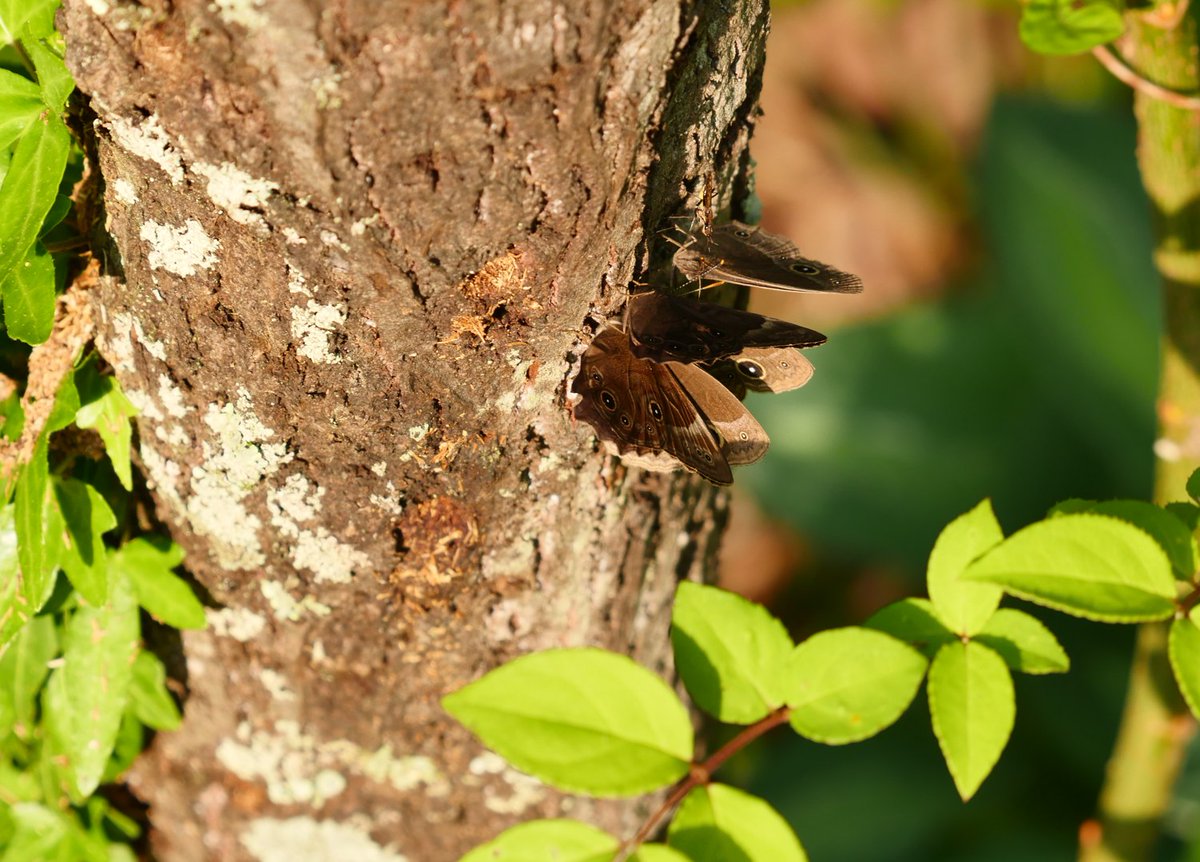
{"x": 39, "y": 530}
{"x": 1069, "y": 26}
{"x": 30, "y": 187}
{"x": 1183, "y": 650}
{"x": 547, "y": 841}
{"x": 964, "y": 606}
{"x": 23, "y": 669}
{"x": 848, "y": 684}
{"x": 87, "y": 518}
{"x": 1024, "y": 643}
{"x": 1092, "y": 566}
{"x": 716, "y": 823}
{"x": 973, "y": 708}
{"x": 164, "y": 595}
{"x": 87, "y": 695}
{"x": 731, "y": 653}
{"x": 913, "y": 621}
{"x": 151, "y": 702}
{"x": 581, "y": 719}
{"x": 105, "y": 408}
{"x": 28, "y": 294}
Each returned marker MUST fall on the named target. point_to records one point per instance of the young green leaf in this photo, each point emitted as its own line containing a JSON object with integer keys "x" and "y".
{"x": 164, "y": 595}
{"x": 47, "y": 55}
{"x": 12, "y": 417}
{"x": 1024, "y": 643}
{"x": 1069, "y": 26}
{"x": 87, "y": 517}
{"x": 23, "y": 669}
{"x": 20, "y": 105}
{"x": 547, "y": 841}
{"x": 39, "y": 534}
{"x": 38, "y": 833}
{"x": 28, "y": 294}
{"x": 581, "y": 719}
{"x": 658, "y": 853}
{"x": 848, "y": 684}
{"x": 130, "y": 742}
{"x": 103, "y": 406}
{"x": 87, "y": 695}
{"x": 1093, "y": 566}
{"x": 1193, "y": 486}
{"x": 913, "y": 621}
{"x": 1164, "y": 526}
{"x": 731, "y": 653}
{"x": 716, "y": 823}
{"x": 30, "y": 187}
{"x": 151, "y": 702}
{"x": 15, "y": 14}
{"x": 964, "y": 606}
{"x": 973, "y": 709}
{"x": 1183, "y": 650}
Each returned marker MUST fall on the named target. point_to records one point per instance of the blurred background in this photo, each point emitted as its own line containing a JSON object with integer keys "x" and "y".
{"x": 1006, "y": 346}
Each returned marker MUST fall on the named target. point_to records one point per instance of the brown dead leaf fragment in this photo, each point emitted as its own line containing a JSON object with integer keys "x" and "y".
{"x": 443, "y": 535}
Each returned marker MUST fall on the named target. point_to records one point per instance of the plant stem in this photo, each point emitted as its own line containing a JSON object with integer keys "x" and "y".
{"x": 700, "y": 775}
{"x": 1155, "y": 726}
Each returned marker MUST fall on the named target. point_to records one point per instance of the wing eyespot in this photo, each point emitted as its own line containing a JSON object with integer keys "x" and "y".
{"x": 750, "y": 369}
{"x": 742, "y": 232}
{"x": 804, "y": 268}
{"x": 607, "y": 399}
{"x": 656, "y": 411}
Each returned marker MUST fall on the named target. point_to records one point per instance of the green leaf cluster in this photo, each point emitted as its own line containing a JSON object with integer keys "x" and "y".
{"x": 1070, "y": 26}
{"x": 596, "y": 722}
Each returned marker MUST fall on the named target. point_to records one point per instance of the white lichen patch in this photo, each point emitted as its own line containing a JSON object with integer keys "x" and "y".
{"x": 292, "y": 237}
{"x": 182, "y": 251}
{"x": 276, "y": 685}
{"x": 314, "y": 326}
{"x": 297, "y": 768}
{"x": 171, "y": 397}
{"x": 236, "y": 459}
{"x": 296, "y": 281}
{"x": 245, "y": 13}
{"x": 285, "y": 607}
{"x": 332, "y": 240}
{"x": 330, "y": 560}
{"x": 523, "y": 790}
{"x": 392, "y": 503}
{"x": 117, "y": 342}
{"x": 297, "y": 501}
{"x": 302, "y": 839}
{"x": 379, "y": 468}
{"x": 237, "y": 192}
{"x": 241, "y": 624}
{"x": 124, "y": 191}
{"x": 147, "y": 140}
{"x": 417, "y": 432}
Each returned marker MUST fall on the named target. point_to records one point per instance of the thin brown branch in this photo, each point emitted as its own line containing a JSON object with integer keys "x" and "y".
{"x": 1122, "y": 72}
{"x": 700, "y": 774}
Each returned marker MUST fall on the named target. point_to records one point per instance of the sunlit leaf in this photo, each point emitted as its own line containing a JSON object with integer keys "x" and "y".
{"x": 732, "y": 654}
{"x": 547, "y": 841}
{"x": 964, "y": 606}
{"x": 580, "y": 719}
{"x": 973, "y": 709}
{"x": 717, "y": 823}
{"x": 1069, "y": 26}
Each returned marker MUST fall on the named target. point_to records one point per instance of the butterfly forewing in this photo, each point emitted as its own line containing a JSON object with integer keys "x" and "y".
{"x": 742, "y": 254}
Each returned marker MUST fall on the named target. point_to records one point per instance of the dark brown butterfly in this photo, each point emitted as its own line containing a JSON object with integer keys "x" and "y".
{"x": 659, "y": 415}
{"x": 763, "y": 369}
{"x": 741, "y": 254}
{"x": 680, "y": 328}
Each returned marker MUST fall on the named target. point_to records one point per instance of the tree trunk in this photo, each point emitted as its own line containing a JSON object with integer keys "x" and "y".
{"x": 350, "y": 250}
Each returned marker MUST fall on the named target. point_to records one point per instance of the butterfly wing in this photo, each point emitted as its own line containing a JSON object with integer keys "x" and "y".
{"x": 743, "y": 440}
{"x": 742, "y": 254}
{"x": 765, "y": 370}
{"x": 665, "y": 327}
{"x": 640, "y": 407}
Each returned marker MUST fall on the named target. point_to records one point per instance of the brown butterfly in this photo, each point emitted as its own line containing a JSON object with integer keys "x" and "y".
{"x": 665, "y": 327}
{"x": 763, "y": 369}
{"x": 659, "y": 415}
{"x": 741, "y": 254}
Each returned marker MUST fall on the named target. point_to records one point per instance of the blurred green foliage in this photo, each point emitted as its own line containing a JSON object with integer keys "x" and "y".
{"x": 1031, "y": 383}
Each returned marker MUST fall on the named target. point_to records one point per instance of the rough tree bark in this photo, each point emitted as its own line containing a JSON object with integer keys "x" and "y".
{"x": 349, "y": 252}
